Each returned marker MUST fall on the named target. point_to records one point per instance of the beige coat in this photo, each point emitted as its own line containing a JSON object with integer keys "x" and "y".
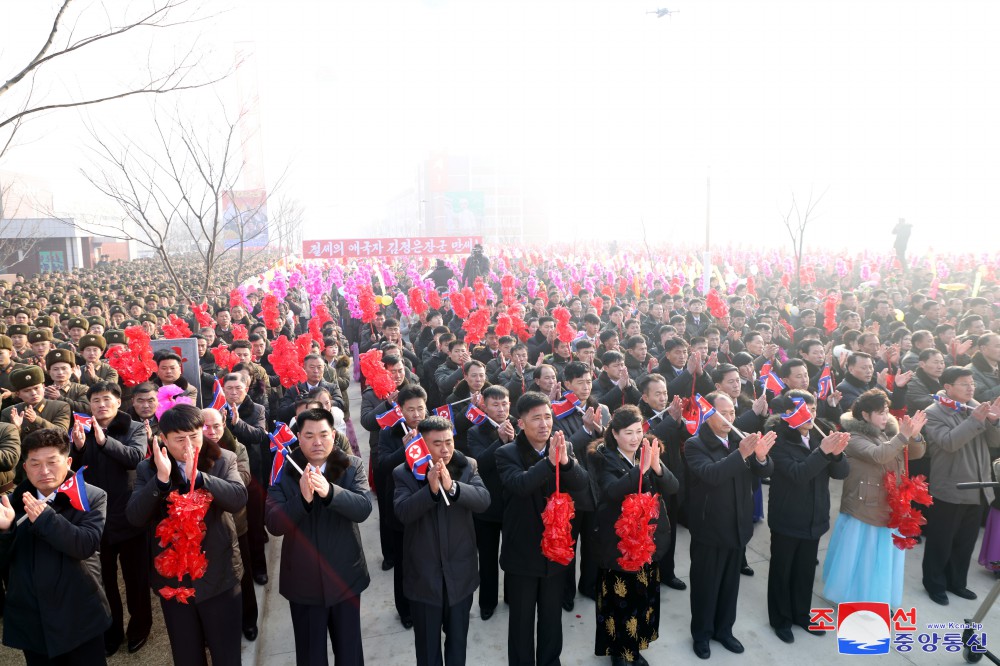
{"x": 871, "y": 454}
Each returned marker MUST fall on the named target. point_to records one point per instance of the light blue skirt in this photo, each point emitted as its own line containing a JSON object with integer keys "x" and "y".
{"x": 862, "y": 564}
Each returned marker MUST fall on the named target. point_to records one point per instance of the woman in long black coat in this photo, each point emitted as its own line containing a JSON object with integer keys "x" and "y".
{"x": 628, "y": 602}
{"x": 798, "y": 507}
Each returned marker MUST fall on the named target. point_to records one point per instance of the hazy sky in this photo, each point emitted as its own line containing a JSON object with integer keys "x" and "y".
{"x": 892, "y": 107}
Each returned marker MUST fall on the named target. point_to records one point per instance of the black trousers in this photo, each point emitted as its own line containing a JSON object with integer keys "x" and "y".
{"x": 312, "y": 624}
{"x": 667, "y": 561}
{"x": 526, "y": 594}
{"x": 402, "y": 603}
{"x": 256, "y": 500}
{"x": 90, "y": 653}
{"x": 949, "y": 539}
{"x": 790, "y": 580}
{"x": 488, "y": 543}
{"x": 213, "y": 623}
{"x": 428, "y": 623}
{"x": 134, "y": 556}
{"x": 715, "y": 587}
{"x": 385, "y": 519}
{"x": 249, "y": 614}
{"x": 584, "y": 524}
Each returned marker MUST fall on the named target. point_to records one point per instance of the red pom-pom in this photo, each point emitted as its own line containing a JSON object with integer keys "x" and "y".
{"x": 417, "y": 302}
{"x": 635, "y": 531}
{"x": 751, "y": 286}
{"x": 458, "y": 305}
{"x": 716, "y": 305}
{"x": 202, "y": 317}
{"x": 470, "y": 299}
{"x": 563, "y": 329}
{"x": 517, "y": 324}
{"x": 176, "y": 328}
{"x": 691, "y": 415}
{"x": 269, "y": 311}
{"x": 479, "y": 290}
{"x": 134, "y": 362}
{"x": 240, "y": 332}
{"x": 598, "y": 304}
{"x": 236, "y": 297}
{"x": 475, "y": 326}
{"x": 504, "y": 325}
{"x": 434, "y": 299}
{"x": 224, "y": 358}
{"x": 366, "y": 301}
{"x": 181, "y": 594}
{"x": 376, "y": 375}
{"x": 507, "y": 289}
{"x": 286, "y": 362}
{"x": 558, "y": 544}
{"x": 830, "y": 314}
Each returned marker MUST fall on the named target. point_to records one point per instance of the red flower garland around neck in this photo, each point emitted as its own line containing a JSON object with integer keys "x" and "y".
{"x": 180, "y": 535}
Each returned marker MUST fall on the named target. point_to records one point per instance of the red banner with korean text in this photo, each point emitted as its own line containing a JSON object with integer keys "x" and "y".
{"x": 407, "y": 246}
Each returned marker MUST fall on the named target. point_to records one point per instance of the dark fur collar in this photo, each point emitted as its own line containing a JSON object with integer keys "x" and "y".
{"x": 529, "y": 457}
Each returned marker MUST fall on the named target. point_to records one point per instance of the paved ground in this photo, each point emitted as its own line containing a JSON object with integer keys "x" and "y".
{"x": 386, "y": 643}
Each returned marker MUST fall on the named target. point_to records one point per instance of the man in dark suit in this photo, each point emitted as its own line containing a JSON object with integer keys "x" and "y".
{"x": 323, "y": 569}
{"x": 314, "y": 365}
{"x": 721, "y": 469}
{"x": 111, "y": 451}
{"x": 246, "y": 420}
{"x": 57, "y": 612}
{"x": 527, "y": 468}
{"x": 439, "y": 550}
{"x": 484, "y": 440}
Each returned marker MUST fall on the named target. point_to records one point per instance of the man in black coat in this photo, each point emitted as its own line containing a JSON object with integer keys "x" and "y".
{"x": 391, "y": 453}
{"x": 527, "y": 468}
{"x": 615, "y": 387}
{"x": 323, "y": 568}
{"x": 439, "y": 543}
{"x": 680, "y": 368}
{"x": 111, "y": 451}
{"x": 56, "y": 608}
{"x": 721, "y": 468}
{"x": 314, "y": 365}
{"x": 371, "y": 407}
{"x": 246, "y": 420}
{"x": 212, "y": 618}
{"x": 665, "y": 422}
{"x": 477, "y": 265}
{"x": 484, "y": 440}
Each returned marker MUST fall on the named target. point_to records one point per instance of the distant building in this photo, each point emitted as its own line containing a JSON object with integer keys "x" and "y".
{"x": 463, "y": 195}
{"x": 32, "y": 240}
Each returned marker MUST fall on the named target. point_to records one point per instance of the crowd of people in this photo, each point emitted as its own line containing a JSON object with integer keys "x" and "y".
{"x": 532, "y": 379}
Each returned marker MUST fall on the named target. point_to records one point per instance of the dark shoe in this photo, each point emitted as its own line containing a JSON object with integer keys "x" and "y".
{"x": 407, "y": 622}
{"x": 250, "y": 633}
{"x": 746, "y": 570}
{"x": 568, "y": 606}
{"x": 486, "y": 614}
{"x": 702, "y": 650}
{"x": 111, "y": 647}
{"x": 808, "y": 630}
{"x": 620, "y": 661}
{"x": 785, "y": 634}
{"x": 387, "y": 565}
{"x": 963, "y": 592}
{"x": 766, "y": 481}
{"x": 675, "y": 583}
{"x": 640, "y": 660}
{"x": 136, "y": 645}
{"x": 938, "y": 597}
{"x": 260, "y": 579}
{"x": 731, "y": 644}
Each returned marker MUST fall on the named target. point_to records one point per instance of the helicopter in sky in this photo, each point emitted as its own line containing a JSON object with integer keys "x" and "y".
{"x": 660, "y": 13}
